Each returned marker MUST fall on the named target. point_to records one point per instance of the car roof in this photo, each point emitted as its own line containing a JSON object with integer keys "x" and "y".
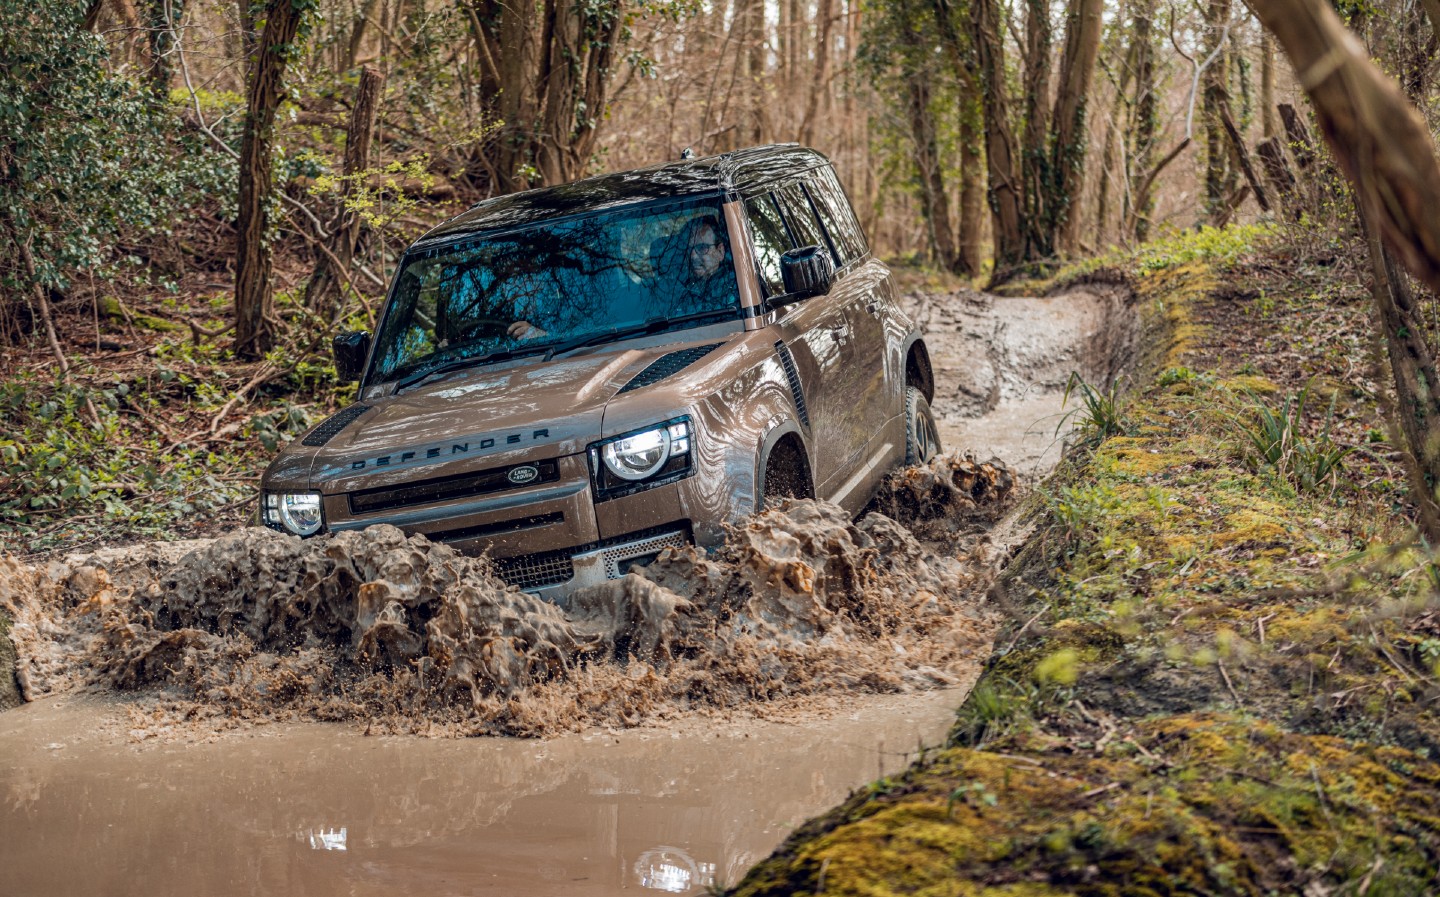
{"x": 734, "y": 172}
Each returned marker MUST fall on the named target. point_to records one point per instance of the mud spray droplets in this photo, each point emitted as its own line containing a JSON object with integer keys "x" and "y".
{"x": 413, "y": 637}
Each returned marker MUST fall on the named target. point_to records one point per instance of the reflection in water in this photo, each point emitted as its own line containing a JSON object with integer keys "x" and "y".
{"x": 327, "y": 839}
{"x": 671, "y": 869}
{"x": 594, "y": 815}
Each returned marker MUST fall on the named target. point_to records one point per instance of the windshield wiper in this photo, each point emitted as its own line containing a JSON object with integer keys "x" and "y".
{"x": 653, "y": 325}
{"x": 455, "y": 364}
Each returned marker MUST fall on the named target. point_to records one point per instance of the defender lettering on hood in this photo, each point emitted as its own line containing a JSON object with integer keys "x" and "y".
{"x": 455, "y": 448}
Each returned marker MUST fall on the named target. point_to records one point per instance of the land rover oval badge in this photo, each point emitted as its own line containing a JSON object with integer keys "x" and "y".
{"x": 523, "y": 474}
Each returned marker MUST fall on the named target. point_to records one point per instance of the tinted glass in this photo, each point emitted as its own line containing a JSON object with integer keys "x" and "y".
{"x": 771, "y": 239}
{"x": 530, "y": 289}
{"x": 801, "y": 218}
{"x": 839, "y": 218}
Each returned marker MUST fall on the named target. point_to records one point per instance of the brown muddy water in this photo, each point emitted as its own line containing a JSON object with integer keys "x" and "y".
{"x": 684, "y": 720}
{"x": 316, "y": 810}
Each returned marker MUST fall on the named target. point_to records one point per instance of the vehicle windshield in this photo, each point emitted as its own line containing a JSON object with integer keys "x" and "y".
{"x": 555, "y": 283}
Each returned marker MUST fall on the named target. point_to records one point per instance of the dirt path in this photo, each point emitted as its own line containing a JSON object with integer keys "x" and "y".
{"x": 228, "y": 805}
{"x": 1001, "y": 365}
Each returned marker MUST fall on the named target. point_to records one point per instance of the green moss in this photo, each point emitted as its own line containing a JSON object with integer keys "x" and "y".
{"x": 110, "y": 307}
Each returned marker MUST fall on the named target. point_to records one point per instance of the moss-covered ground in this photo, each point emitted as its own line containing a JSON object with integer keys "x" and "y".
{"x": 1220, "y": 674}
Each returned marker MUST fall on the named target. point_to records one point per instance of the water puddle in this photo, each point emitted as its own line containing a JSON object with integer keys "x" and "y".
{"x": 312, "y": 809}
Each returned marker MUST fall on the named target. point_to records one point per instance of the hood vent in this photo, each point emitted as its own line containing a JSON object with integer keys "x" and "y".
{"x": 666, "y": 365}
{"x": 332, "y": 426}
{"x": 787, "y": 361}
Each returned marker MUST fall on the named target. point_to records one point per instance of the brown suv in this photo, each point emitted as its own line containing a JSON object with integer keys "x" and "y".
{"x": 574, "y": 378}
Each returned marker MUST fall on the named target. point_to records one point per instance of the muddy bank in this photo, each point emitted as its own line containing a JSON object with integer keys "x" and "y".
{"x": 1212, "y": 678}
{"x": 1001, "y": 364}
{"x": 411, "y": 636}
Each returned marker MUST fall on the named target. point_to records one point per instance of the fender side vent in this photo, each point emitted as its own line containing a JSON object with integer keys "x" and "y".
{"x": 333, "y": 425}
{"x": 787, "y": 361}
{"x": 666, "y": 365}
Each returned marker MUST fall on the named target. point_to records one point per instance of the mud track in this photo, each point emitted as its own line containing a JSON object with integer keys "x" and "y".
{"x": 804, "y": 612}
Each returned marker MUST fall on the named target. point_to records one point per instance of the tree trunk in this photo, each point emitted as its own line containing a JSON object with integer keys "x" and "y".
{"x": 1215, "y": 87}
{"x": 1277, "y": 171}
{"x": 1145, "y": 122}
{"x": 1417, "y": 389}
{"x": 162, "y": 17}
{"x": 1242, "y": 157}
{"x": 1004, "y": 193}
{"x": 823, "y": 16}
{"x": 517, "y": 92}
{"x": 324, "y": 286}
{"x": 1378, "y": 138}
{"x": 1035, "y": 173}
{"x": 1067, "y": 163}
{"x": 755, "y": 69}
{"x": 1267, "y": 85}
{"x": 930, "y": 178}
{"x": 255, "y": 321}
{"x": 972, "y": 181}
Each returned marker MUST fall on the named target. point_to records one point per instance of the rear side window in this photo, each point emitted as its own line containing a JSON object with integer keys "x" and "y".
{"x": 771, "y": 240}
{"x": 801, "y": 217}
{"x": 839, "y": 218}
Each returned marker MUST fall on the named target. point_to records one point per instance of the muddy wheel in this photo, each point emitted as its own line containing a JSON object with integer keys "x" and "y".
{"x": 922, "y": 437}
{"x": 787, "y": 475}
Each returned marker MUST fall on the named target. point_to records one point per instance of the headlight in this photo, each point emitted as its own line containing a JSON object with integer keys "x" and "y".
{"x": 658, "y": 455}
{"x": 639, "y": 456}
{"x": 296, "y": 512}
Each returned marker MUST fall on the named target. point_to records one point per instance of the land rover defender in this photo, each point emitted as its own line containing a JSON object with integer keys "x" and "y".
{"x": 574, "y": 378}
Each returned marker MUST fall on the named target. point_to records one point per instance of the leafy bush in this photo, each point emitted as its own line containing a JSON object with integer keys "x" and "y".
{"x": 84, "y": 153}
{"x": 57, "y": 468}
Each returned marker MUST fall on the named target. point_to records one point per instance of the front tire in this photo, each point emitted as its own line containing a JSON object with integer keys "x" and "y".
{"x": 922, "y": 436}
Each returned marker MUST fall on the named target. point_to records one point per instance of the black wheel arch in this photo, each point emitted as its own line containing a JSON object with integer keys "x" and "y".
{"x": 787, "y": 433}
{"x": 918, "y": 371}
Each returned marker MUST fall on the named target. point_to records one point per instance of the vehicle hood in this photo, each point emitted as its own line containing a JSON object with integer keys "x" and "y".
{"x": 510, "y": 412}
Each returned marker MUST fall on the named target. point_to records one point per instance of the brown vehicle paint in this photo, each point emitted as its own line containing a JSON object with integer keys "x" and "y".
{"x": 822, "y": 394}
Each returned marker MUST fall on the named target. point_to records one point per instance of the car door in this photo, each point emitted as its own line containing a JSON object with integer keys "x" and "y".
{"x": 816, "y": 334}
{"x": 862, "y": 402}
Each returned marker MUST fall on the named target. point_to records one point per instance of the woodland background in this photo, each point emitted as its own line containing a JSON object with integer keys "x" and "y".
{"x": 195, "y": 196}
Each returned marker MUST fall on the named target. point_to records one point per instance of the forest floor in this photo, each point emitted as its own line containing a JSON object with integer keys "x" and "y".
{"x": 1218, "y": 671}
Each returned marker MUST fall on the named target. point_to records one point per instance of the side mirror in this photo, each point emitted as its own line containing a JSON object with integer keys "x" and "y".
{"x": 807, "y": 271}
{"x": 351, "y": 349}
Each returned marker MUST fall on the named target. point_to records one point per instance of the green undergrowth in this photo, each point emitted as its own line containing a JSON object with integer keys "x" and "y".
{"x": 1219, "y": 673}
{"x": 161, "y": 448}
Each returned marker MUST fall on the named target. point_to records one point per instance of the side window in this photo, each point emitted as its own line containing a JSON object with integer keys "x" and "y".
{"x": 801, "y": 217}
{"x": 771, "y": 239}
{"x": 839, "y": 218}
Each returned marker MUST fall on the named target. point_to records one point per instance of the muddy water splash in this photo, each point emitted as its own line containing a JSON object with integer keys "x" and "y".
{"x": 412, "y": 636}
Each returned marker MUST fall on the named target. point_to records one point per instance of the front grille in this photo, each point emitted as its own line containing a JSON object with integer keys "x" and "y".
{"x": 535, "y": 571}
{"x": 333, "y": 425}
{"x": 464, "y": 485}
{"x": 666, "y": 365}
